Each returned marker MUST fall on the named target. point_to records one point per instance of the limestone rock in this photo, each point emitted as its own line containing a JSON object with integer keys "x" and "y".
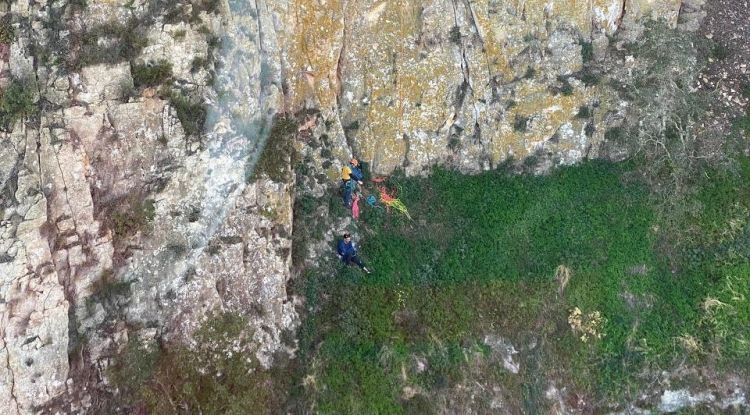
{"x": 104, "y": 83}
{"x": 21, "y": 63}
{"x": 34, "y": 312}
{"x": 11, "y": 151}
{"x": 179, "y": 44}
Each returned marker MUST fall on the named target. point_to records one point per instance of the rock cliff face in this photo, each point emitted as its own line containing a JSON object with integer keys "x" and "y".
{"x": 463, "y": 83}
{"x": 117, "y": 221}
{"x": 126, "y": 212}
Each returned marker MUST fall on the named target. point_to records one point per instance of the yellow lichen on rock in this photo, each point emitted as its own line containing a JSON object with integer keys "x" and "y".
{"x": 395, "y": 86}
{"x": 412, "y": 83}
{"x": 667, "y": 10}
{"x": 313, "y": 51}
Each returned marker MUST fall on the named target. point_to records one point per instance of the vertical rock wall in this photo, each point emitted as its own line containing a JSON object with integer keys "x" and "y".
{"x": 469, "y": 84}
{"x": 115, "y": 222}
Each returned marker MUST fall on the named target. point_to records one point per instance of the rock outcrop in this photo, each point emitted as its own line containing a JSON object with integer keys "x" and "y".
{"x": 467, "y": 84}
{"x": 119, "y": 223}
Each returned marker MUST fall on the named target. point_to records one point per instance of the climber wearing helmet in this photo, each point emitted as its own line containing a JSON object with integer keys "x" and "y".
{"x": 352, "y": 171}
{"x": 351, "y": 175}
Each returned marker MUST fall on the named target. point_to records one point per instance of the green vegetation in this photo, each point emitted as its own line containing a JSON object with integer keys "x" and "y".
{"x": 219, "y": 376}
{"x": 515, "y": 256}
{"x": 583, "y": 112}
{"x": 275, "y": 160}
{"x": 7, "y": 34}
{"x": 565, "y": 88}
{"x": 107, "y": 291}
{"x": 109, "y": 43}
{"x": 530, "y": 72}
{"x": 615, "y": 134}
{"x": 720, "y": 52}
{"x": 521, "y": 124}
{"x": 190, "y": 11}
{"x": 454, "y": 142}
{"x": 455, "y": 35}
{"x": 78, "y": 5}
{"x": 198, "y": 63}
{"x": 151, "y": 74}
{"x": 587, "y": 51}
{"x": 134, "y": 216}
{"x": 17, "y": 100}
{"x": 191, "y": 113}
{"x": 742, "y": 123}
{"x": 588, "y": 77}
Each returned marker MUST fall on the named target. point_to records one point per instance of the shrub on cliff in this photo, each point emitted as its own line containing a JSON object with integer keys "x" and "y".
{"x": 108, "y": 43}
{"x": 219, "y": 374}
{"x": 276, "y": 158}
{"x": 191, "y": 112}
{"x": 151, "y": 73}
{"x": 17, "y": 100}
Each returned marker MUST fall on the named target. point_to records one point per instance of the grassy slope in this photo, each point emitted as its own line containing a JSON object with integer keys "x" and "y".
{"x": 479, "y": 259}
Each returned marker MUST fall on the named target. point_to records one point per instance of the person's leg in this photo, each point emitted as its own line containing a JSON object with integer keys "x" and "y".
{"x": 355, "y": 259}
{"x": 347, "y": 196}
{"x": 361, "y": 264}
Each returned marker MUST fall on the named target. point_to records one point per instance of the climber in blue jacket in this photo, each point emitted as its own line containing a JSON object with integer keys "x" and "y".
{"x": 347, "y": 251}
{"x": 356, "y": 171}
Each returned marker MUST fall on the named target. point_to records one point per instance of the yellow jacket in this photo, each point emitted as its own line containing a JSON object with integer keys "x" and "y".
{"x": 346, "y": 173}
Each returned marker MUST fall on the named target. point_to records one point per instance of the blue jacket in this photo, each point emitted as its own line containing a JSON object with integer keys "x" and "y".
{"x": 346, "y": 250}
{"x": 356, "y": 173}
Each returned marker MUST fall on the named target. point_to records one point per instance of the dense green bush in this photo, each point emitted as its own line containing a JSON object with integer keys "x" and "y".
{"x": 276, "y": 158}
{"x": 17, "y": 100}
{"x": 151, "y": 74}
{"x": 219, "y": 375}
{"x": 481, "y": 256}
{"x": 191, "y": 113}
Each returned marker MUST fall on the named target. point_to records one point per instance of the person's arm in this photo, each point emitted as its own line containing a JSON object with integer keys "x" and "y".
{"x": 357, "y": 174}
{"x": 340, "y": 249}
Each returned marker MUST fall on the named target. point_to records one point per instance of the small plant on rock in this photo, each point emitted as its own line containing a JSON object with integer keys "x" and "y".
{"x": 455, "y": 35}
{"x": 7, "y": 34}
{"x": 275, "y": 160}
{"x": 192, "y": 114}
{"x": 17, "y": 100}
{"x": 521, "y": 124}
{"x": 587, "y": 326}
{"x": 587, "y": 51}
{"x": 583, "y": 112}
{"x": 151, "y": 74}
